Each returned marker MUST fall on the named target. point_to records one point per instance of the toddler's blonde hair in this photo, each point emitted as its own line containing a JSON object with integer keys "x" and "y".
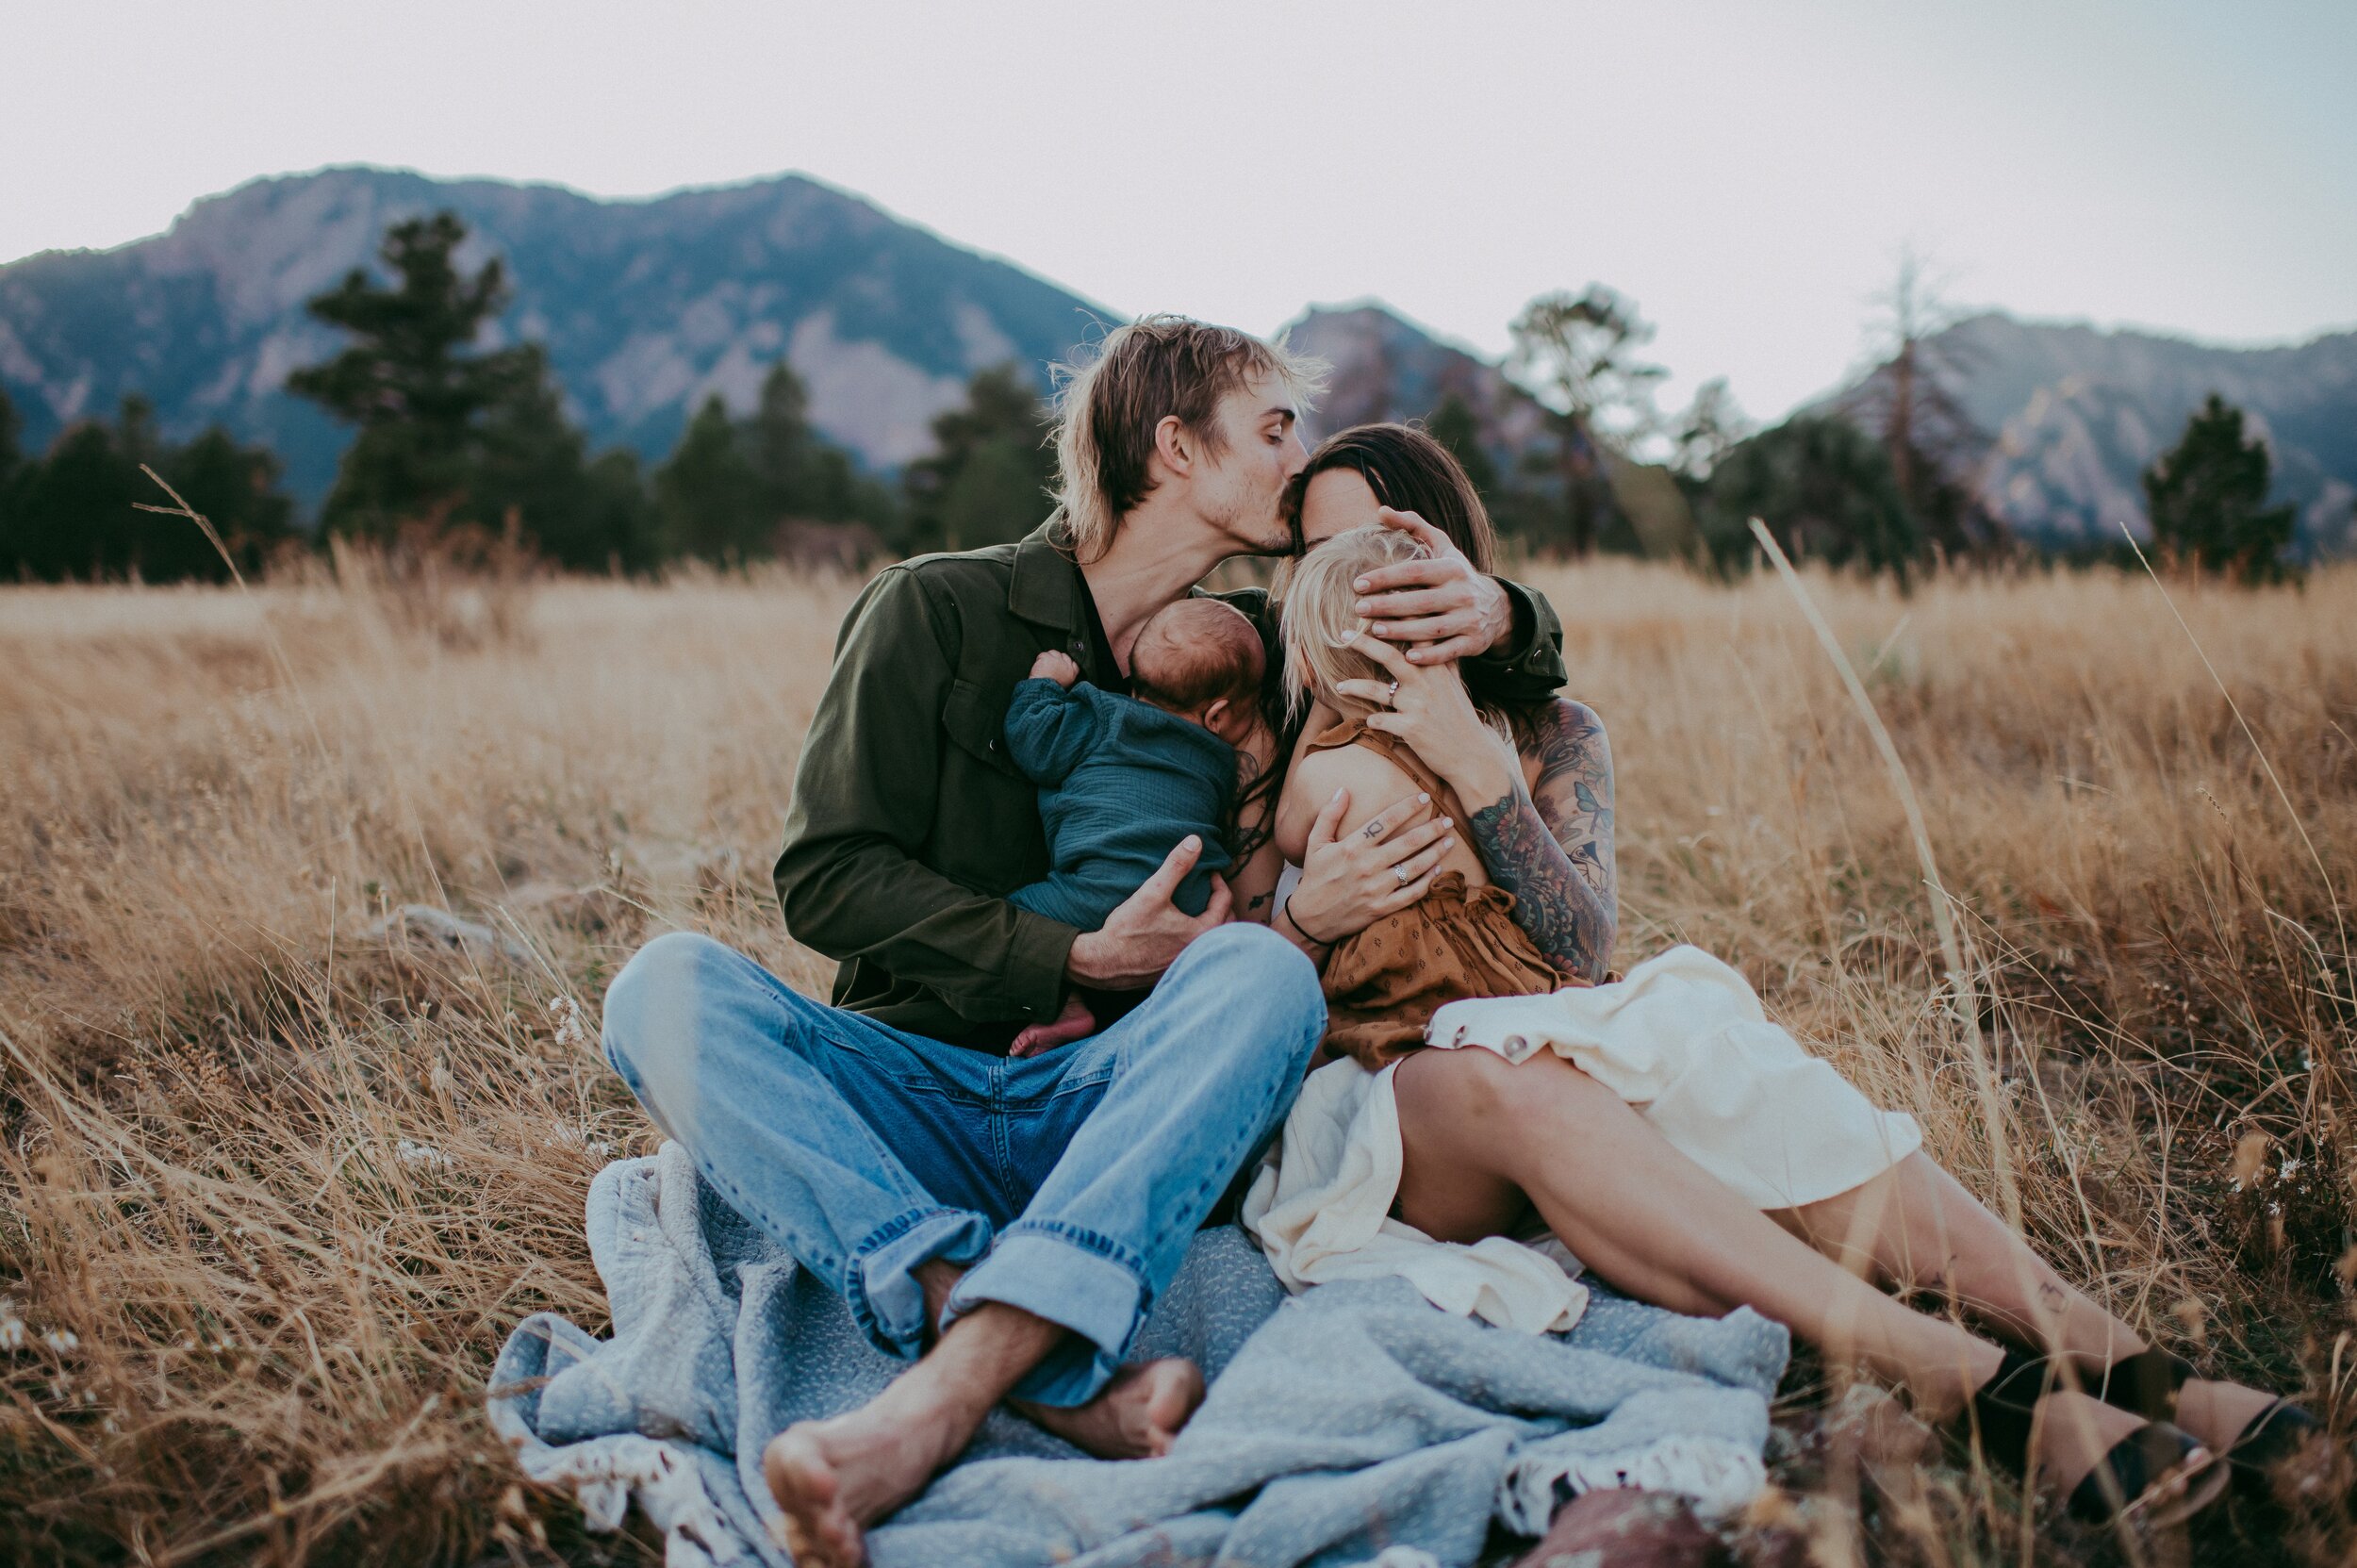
{"x": 1321, "y": 604}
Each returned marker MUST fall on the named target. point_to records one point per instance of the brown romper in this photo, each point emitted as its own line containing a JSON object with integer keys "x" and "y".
{"x": 1383, "y": 984}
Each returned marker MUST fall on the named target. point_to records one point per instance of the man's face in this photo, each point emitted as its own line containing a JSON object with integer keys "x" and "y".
{"x": 1240, "y": 487}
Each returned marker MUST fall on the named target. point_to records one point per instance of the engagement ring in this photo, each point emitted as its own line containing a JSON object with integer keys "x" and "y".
{"x": 1401, "y": 872}
{"x": 1392, "y": 695}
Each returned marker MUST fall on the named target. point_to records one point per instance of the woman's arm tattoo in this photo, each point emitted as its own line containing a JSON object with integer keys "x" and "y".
{"x": 1573, "y": 794}
{"x": 1551, "y": 847}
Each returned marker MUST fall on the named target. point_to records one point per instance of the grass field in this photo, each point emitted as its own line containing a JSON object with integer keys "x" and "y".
{"x": 274, "y": 1183}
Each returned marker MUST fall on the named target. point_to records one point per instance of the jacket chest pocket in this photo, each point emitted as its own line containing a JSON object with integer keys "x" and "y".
{"x": 976, "y": 721}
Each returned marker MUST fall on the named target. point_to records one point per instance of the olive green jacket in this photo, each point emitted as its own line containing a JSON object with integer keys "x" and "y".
{"x": 909, "y": 824}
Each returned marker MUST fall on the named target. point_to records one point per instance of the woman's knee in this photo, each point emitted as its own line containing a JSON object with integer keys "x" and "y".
{"x": 1539, "y": 1088}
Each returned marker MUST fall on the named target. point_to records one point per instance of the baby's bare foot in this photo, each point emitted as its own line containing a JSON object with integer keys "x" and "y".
{"x": 832, "y": 1479}
{"x": 1075, "y": 1022}
{"x": 1136, "y": 1416}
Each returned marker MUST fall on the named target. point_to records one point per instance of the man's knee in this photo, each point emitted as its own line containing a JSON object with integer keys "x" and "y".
{"x": 1256, "y": 966}
{"x": 662, "y": 982}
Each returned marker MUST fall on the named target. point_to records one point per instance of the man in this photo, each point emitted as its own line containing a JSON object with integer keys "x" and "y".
{"x": 1013, "y": 1220}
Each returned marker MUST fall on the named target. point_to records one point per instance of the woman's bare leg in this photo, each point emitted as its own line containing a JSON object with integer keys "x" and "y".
{"x": 1915, "y": 1227}
{"x": 1479, "y": 1134}
{"x": 1485, "y": 1139}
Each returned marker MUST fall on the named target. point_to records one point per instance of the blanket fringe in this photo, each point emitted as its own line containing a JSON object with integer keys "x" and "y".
{"x": 1717, "y": 1475}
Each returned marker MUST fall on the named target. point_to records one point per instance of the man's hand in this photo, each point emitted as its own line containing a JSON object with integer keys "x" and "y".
{"x": 1059, "y": 668}
{"x": 1441, "y": 606}
{"x": 1148, "y": 932}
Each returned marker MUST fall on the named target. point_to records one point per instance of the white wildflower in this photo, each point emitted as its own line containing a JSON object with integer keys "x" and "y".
{"x": 565, "y": 1135}
{"x": 63, "y": 1340}
{"x": 11, "y": 1333}
{"x": 570, "y": 1031}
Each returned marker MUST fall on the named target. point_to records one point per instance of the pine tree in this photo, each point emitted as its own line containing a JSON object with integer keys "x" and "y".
{"x": 1908, "y": 403}
{"x": 449, "y": 437}
{"x": 805, "y": 477}
{"x": 1823, "y": 488}
{"x": 990, "y": 472}
{"x": 2207, "y": 498}
{"x": 234, "y": 488}
{"x": 1577, "y": 356}
{"x": 1456, "y": 426}
{"x": 12, "y": 476}
{"x": 708, "y": 494}
{"x": 417, "y": 399}
{"x": 74, "y": 514}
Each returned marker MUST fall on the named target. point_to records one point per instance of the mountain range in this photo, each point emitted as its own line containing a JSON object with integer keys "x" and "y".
{"x": 2075, "y": 415}
{"x": 648, "y": 307}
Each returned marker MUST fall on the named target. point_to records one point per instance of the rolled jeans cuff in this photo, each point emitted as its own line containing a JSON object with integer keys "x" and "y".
{"x": 1079, "y": 1279}
{"x": 887, "y": 1299}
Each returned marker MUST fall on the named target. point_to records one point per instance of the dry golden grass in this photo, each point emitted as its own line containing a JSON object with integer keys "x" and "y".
{"x": 273, "y": 1187}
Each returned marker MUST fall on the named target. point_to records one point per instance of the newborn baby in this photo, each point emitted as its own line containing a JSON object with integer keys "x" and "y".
{"x": 1124, "y": 779}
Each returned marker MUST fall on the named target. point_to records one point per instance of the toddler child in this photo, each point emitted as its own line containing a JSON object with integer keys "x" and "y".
{"x": 1124, "y": 779}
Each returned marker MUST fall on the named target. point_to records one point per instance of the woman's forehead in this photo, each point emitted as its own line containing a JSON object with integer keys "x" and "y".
{"x": 1337, "y": 499}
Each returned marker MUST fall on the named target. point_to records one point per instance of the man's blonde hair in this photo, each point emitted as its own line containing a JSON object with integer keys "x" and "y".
{"x": 1108, "y": 403}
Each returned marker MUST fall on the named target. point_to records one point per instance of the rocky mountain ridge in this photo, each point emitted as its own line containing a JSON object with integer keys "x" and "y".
{"x": 2075, "y": 414}
{"x": 646, "y": 307}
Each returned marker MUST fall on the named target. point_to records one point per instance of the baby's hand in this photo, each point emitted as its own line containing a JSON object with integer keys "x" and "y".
{"x": 1059, "y": 668}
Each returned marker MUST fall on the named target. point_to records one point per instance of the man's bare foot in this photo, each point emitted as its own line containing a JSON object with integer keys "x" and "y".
{"x": 1136, "y": 1415}
{"x": 832, "y": 1479}
{"x": 1076, "y": 1022}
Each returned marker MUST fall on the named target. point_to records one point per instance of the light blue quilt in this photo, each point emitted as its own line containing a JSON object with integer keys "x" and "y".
{"x": 1350, "y": 1422}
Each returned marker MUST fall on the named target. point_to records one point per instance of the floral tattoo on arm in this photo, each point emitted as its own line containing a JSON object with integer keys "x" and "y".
{"x": 1551, "y": 846}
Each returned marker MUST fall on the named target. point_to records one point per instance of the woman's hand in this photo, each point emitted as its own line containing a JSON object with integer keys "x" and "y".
{"x": 1385, "y": 864}
{"x": 1442, "y": 606}
{"x": 1426, "y": 706}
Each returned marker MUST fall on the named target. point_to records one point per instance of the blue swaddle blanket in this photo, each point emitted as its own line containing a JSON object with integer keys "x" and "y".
{"x": 1340, "y": 1422}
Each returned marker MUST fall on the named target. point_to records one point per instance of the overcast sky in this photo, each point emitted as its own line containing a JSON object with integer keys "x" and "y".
{"x": 1746, "y": 169}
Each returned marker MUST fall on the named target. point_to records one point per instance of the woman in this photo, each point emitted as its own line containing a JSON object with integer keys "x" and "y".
{"x": 1486, "y": 1145}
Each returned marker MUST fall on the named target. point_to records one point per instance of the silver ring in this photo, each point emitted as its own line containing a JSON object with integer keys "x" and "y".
{"x": 1391, "y": 696}
{"x": 1401, "y": 872}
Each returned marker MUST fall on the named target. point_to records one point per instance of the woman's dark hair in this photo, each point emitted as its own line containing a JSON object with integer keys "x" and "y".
{"x": 1408, "y": 472}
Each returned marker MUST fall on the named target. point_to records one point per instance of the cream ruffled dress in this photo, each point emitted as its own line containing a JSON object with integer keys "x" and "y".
{"x": 1683, "y": 1039}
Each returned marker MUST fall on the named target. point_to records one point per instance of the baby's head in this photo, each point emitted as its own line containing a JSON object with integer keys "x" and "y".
{"x": 1200, "y": 659}
{"x": 1322, "y": 604}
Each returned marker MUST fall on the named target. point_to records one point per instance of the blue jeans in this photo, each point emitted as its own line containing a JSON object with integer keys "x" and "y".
{"x": 1070, "y": 1183}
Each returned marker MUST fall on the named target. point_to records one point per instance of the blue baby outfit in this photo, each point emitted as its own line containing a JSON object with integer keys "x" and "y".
{"x": 1121, "y": 783}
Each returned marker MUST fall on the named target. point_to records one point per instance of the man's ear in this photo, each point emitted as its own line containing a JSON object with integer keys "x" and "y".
{"x": 1174, "y": 446}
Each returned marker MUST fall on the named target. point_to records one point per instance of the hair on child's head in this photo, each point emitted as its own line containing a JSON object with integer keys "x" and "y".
{"x": 1195, "y": 651}
{"x": 1320, "y": 603}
